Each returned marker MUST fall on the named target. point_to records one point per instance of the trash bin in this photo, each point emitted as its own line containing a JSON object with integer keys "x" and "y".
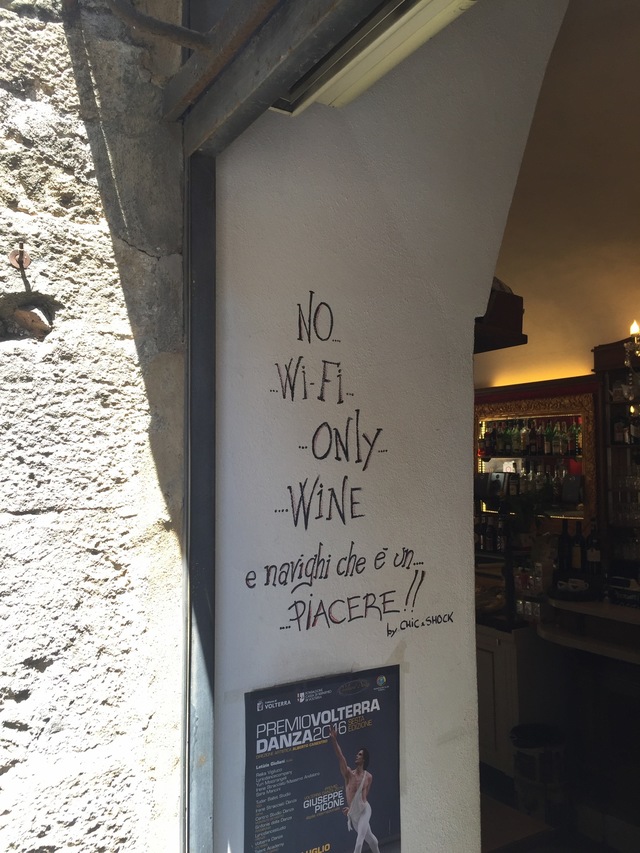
{"x": 539, "y": 772}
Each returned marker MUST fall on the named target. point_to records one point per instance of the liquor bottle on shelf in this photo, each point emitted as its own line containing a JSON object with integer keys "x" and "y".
{"x": 594, "y": 565}
{"x": 621, "y": 431}
{"x": 501, "y": 530}
{"x": 482, "y": 445}
{"x": 556, "y": 440}
{"x": 508, "y": 438}
{"x": 556, "y": 486}
{"x": 482, "y": 533}
{"x": 634, "y": 424}
{"x": 538, "y": 579}
{"x": 538, "y": 479}
{"x": 532, "y": 439}
{"x": 514, "y": 483}
{"x": 516, "y": 438}
{"x": 578, "y": 434}
{"x": 572, "y": 441}
{"x": 548, "y": 439}
{"x": 564, "y": 439}
{"x": 540, "y": 439}
{"x": 490, "y": 434}
{"x": 564, "y": 548}
{"x": 490, "y": 535}
{"x": 578, "y": 550}
{"x": 500, "y": 439}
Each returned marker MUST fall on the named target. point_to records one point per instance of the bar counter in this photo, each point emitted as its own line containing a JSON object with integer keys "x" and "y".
{"x": 598, "y": 627}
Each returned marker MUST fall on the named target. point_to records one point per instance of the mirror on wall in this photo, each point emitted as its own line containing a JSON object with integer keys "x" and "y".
{"x": 536, "y": 453}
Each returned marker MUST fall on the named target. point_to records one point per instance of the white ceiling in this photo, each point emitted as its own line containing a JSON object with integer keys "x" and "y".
{"x": 571, "y": 246}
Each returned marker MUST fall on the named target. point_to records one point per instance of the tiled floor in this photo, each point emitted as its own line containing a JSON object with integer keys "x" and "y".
{"x": 577, "y": 845}
{"x": 507, "y": 830}
{"x": 503, "y": 826}
{"x": 572, "y": 845}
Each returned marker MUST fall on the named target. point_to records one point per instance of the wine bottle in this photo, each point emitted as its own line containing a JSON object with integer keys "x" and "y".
{"x": 538, "y": 479}
{"x": 578, "y": 550}
{"x": 516, "y": 438}
{"x": 621, "y": 431}
{"x": 490, "y": 535}
{"x": 564, "y": 548}
{"x": 594, "y": 565}
{"x": 548, "y": 439}
{"x": 557, "y": 486}
{"x": 490, "y": 438}
{"x": 634, "y": 425}
{"x": 571, "y": 440}
{"x": 482, "y": 533}
{"x": 564, "y": 439}
{"x": 578, "y": 431}
{"x": 514, "y": 483}
{"x": 482, "y": 445}
{"x": 501, "y": 530}
{"x": 508, "y": 438}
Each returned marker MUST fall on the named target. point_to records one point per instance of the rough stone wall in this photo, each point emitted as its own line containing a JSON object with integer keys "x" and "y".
{"x": 91, "y": 487}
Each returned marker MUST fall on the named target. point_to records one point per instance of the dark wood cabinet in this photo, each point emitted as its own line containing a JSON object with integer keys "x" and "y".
{"x": 618, "y": 371}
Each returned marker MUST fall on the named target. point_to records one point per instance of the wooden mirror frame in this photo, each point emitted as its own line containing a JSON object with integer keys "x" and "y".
{"x": 525, "y": 408}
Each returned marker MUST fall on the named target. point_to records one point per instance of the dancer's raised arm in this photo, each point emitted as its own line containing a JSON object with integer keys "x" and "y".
{"x": 344, "y": 769}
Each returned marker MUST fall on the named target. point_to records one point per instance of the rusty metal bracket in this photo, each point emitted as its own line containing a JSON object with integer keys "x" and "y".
{"x": 172, "y": 32}
{"x": 20, "y": 260}
{"x": 29, "y": 314}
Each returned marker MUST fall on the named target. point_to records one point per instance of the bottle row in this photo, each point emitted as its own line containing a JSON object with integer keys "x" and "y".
{"x": 530, "y": 586}
{"x": 551, "y": 482}
{"x": 625, "y": 514}
{"x": 529, "y": 580}
{"x": 624, "y": 496}
{"x": 530, "y": 611}
{"x": 627, "y": 548}
{"x": 576, "y": 552}
{"x": 491, "y": 533}
{"x": 626, "y": 428}
{"x": 539, "y": 437}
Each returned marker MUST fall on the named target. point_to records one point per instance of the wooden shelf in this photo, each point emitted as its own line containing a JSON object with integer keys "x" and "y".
{"x": 600, "y": 609}
{"x": 541, "y": 457}
{"x": 562, "y": 637}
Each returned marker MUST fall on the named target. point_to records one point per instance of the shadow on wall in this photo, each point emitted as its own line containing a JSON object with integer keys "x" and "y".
{"x": 91, "y": 492}
{"x": 138, "y": 167}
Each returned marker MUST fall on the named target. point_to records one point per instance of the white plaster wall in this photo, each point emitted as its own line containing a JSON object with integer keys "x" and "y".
{"x": 391, "y": 211}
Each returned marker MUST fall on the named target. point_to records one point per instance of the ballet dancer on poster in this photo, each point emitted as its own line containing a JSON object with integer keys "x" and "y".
{"x": 357, "y": 783}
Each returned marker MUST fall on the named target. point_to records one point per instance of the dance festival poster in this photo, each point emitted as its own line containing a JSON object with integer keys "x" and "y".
{"x": 322, "y": 765}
